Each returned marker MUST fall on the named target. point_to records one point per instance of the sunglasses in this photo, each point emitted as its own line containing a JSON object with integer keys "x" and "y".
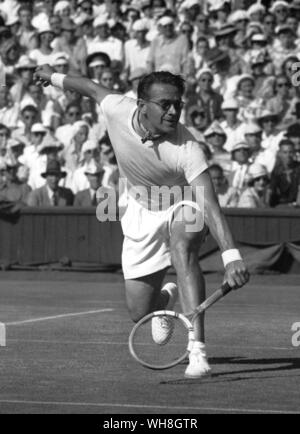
{"x": 74, "y": 113}
{"x": 166, "y": 105}
{"x": 261, "y": 178}
{"x": 283, "y": 84}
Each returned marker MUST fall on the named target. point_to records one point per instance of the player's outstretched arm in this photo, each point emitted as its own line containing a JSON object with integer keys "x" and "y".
{"x": 46, "y": 75}
{"x": 236, "y": 273}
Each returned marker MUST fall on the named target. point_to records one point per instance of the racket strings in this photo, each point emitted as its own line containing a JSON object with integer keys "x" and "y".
{"x": 160, "y": 341}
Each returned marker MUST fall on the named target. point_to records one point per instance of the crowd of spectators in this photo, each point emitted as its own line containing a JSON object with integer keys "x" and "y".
{"x": 242, "y": 100}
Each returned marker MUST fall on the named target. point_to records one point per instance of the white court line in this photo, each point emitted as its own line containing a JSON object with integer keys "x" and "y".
{"x": 141, "y": 406}
{"x": 66, "y": 315}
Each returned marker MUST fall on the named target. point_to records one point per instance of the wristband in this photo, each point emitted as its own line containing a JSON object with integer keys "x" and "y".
{"x": 57, "y": 80}
{"x": 231, "y": 256}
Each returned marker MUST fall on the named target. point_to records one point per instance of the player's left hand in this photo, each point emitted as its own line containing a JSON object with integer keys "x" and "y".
{"x": 236, "y": 274}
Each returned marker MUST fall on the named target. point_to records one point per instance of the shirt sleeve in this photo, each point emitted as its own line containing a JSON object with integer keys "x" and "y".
{"x": 192, "y": 161}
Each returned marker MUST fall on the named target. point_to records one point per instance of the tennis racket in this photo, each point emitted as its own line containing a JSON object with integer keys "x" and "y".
{"x": 156, "y": 349}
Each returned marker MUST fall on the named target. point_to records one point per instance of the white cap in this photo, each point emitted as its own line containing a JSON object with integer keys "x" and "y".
{"x": 256, "y": 7}
{"x": 215, "y": 128}
{"x": 277, "y": 4}
{"x": 79, "y": 124}
{"x": 164, "y": 21}
{"x": 217, "y": 5}
{"x": 44, "y": 27}
{"x": 38, "y": 128}
{"x": 187, "y": 4}
{"x": 60, "y": 6}
{"x": 252, "y": 128}
{"x": 11, "y": 20}
{"x": 257, "y": 170}
{"x": 101, "y": 20}
{"x": 89, "y": 145}
{"x": 140, "y": 26}
{"x": 230, "y": 104}
{"x": 238, "y": 16}
{"x": 60, "y": 58}
{"x": 240, "y": 145}
{"x": 204, "y": 71}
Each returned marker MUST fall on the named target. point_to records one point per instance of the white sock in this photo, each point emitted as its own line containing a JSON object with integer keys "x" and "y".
{"x": 198, "y": 345}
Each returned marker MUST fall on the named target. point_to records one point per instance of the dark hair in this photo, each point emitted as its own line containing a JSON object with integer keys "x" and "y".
{"x": 285, "y": 142}
{"x": 73, "y": 104}
{"x": 216, "y": 167}
{"x": 161, "y": 77}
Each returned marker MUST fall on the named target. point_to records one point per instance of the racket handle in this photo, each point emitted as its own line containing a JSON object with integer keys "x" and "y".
{"x": 217, "y": 295}
{"x": 226, "y": 288}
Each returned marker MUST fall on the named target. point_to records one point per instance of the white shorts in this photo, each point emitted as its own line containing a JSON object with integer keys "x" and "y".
{"x": 146, "y": 246}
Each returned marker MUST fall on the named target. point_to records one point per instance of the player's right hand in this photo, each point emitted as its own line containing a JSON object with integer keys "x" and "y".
{"x": 42, "y": 74}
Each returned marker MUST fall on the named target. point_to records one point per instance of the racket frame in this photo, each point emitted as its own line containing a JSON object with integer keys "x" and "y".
{"x": 217, "y": 295}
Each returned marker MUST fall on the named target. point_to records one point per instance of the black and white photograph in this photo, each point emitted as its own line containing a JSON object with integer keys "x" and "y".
{"x": 149, "y": 210}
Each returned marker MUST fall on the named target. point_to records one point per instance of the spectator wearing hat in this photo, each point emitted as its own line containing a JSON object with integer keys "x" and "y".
{"x": 245, "y": 97}
{"x": 238, "y": 175}
{"x": 219, "y": 11}
{"x": 206, "y": 96}
{"x": 282, "y": 103}
{"x": 280, "y": 10}
{"x": 105, "y": 42}
{"x": 44, "y": 52}
{"x": 197, "y": 122}
{"x": 26, "y": 33}
{"x": 55, "y": 22}
{"x": 30, "y": 157}
{"x": 15, "y": 150}
{"x": 271, "y": 137}
{"x": 253, "y": 137}
{"x": 284, "y": 46}
{"x": 73, "y": 113}
{"x": 169, "y": 50}
{"x": 226, "y": 195}
{"x": 225, "y": 41}
{"x": 216, "y": 138}
{"x": 285, "y": 178}
{"x": 28, "y": 116}
{"x": 269, "y": 25}
{"x": 256, "y": 195}
{"x": 95, "y": 63}
{"x": 48, "y": 151}
{"x": 72, "y": 151}
{"x": 24, "y": 69}
{"x": 256, "y": 12}
{"x": 94, "y": 173}
{"x": 232, "y": 126}
{"x": 51, "y": 194}
{"x": 260, "y": 63}
{"x": 190, "y": 9}
{"x": 219, "y": 62}
{"x": 137, "y": 49}
{"x": 11, "y": 190}
{"x": 89, "y": 152}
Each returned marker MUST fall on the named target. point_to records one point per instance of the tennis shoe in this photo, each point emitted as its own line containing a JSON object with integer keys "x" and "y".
{"x": 162, "y": 327}
{"x": 198, "y": 366}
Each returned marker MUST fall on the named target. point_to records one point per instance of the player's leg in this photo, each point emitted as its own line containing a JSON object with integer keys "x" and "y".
{"x": 185, "y": 245}
{"x": 144, "y": 295}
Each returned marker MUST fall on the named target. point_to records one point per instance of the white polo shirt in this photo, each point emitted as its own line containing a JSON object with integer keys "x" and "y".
{"x": 173, "y": 162}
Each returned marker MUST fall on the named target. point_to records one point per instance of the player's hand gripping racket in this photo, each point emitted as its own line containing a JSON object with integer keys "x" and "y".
{"x": 164, "y": 338}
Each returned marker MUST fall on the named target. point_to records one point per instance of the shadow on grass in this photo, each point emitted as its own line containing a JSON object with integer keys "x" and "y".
{"x": 260, "y": 366}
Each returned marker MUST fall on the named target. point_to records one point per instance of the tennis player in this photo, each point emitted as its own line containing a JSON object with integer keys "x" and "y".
{"x": 154, "y": 149}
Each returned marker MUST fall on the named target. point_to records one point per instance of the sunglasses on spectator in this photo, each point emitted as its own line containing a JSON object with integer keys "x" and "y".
{"x": 269, "y": 23}
{"x": 206, "y": 80}
{"x": 29, "y": 117}
{"x": 3, "y": 134}
{"x": 285, "y": 84}
{"x": 280, "y": 11}
{"x": 261, "y": 178}
{"x": 74, "y": 113}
